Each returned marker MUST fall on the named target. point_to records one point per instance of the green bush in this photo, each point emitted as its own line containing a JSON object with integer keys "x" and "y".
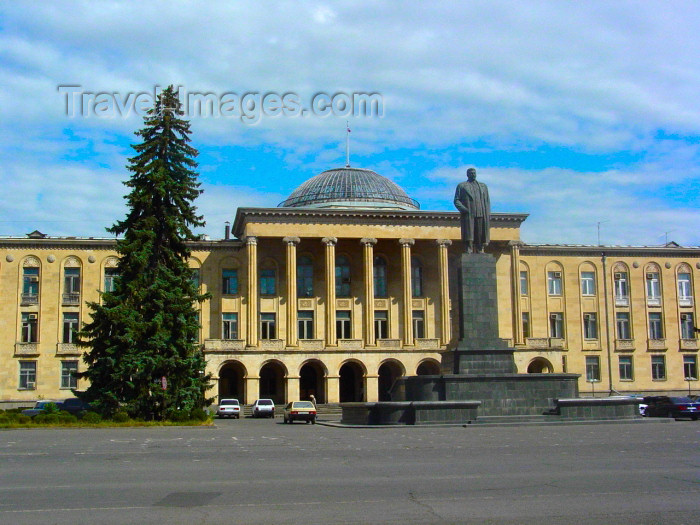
{"x": 51, "y": 408}
{"x": 4, "y": 420}
{"x": 178, "y": 416}
{"x": 47, "y": 419}
{"x": 23, "y": 420}
{"x": 199, "y": 414}
{"x": 120, "y": 417}
{"x": 67, "y": 418}
{"x": 91, "y": 417}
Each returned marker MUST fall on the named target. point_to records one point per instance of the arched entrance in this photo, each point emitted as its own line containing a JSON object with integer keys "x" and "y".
{"x": 272, "y": 382}
{"x": 388, "y": 372}
{"x": 232, "y": 381}
{"x": 539, "y": 365}
{"x": 312, "y": 381}
{"x": 429, "y": 367}
{"x": 352, "y": 382}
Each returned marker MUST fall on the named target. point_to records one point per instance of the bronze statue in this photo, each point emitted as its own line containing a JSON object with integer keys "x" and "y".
{"x": 472, "y": 201}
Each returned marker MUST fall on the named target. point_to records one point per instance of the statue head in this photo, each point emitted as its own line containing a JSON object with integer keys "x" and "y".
{"x": 471, "y": 174}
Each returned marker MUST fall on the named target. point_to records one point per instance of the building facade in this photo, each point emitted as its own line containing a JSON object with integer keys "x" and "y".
{"x": 347, "y": 285}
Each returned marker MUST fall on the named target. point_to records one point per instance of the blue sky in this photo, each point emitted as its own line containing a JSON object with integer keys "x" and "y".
{"x": 573, "y": 112}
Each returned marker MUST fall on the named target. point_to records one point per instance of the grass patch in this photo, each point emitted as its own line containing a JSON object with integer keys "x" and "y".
{"x": 14, "y": 419}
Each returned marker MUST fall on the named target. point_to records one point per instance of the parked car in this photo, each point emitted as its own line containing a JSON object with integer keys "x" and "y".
{"x": 74, "y": 405}
{"x": 676, "y": 407}
{"x": 229, "y": 408}
{"x": 40, "y": 408}
{"x": 263, "y": 408}
{"x": 300, "y": 411}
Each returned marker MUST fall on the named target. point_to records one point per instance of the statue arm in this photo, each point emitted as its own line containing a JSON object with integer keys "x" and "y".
{"x": 459, "y": 204}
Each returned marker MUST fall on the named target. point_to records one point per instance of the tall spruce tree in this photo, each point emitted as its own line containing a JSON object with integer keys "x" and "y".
{"x": 146, "y": 329}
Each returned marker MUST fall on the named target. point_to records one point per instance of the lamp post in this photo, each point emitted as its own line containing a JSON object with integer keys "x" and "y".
{"x": 689, "y": 379}
{"x": 592, "y": 381}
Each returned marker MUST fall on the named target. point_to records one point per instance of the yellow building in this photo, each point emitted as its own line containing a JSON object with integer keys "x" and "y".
{"x": 347, "y": 285}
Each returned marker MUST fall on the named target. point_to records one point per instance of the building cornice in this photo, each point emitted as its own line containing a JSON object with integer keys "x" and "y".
{"x": 67, "y": 243}
{"x": 609, "y": 251}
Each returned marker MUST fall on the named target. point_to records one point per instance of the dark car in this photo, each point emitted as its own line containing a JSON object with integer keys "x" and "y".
{"x": 74, "y": 405}
{"x": 676, "y": 407}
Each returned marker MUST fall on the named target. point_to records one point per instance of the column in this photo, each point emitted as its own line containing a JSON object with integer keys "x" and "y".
{"x": 445, "y": 322}
{"x": 330, "y": 243}
{"x": 407, "y": 295}
{"x": 368, "y": 262}
{"x": 292, "y": 335}
{"x": 292, "y": 388}
{"x": 252, "y": 315}
{"x": 372, "y": 384}
{"x": 252, "y": 389}
{"x": 518, "y": 338}
{"x": 332, "y": 389}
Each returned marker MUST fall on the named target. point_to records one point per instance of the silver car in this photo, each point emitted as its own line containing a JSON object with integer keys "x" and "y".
{"x": 263, "y": 408}
{"x": 229, "y": 408}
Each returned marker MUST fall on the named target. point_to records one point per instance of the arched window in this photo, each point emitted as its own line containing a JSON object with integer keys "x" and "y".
{"x": 416, "y": 277}
{"x": 305, "y": 276}
{"x": 380, "y": 277}
{"x": 342, "y": 276}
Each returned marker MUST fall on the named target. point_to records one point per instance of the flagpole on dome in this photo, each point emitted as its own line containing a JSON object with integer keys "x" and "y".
{"x": 347, "y": 144}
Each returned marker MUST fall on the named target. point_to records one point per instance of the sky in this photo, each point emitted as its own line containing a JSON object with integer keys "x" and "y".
{"x": 585, "y": 115}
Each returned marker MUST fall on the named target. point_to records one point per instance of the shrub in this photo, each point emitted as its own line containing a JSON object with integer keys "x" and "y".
{"x": 91, "y": 417}
{"x": 23, "y": 420}
{"x": 177, "y": 416}
{"x": 199, "y": 414}
{"x": 67, "y": 418}
{"x": 47, "y": 419}
{"x": 51, "y": 408}
{"x": 4, "y": 420}
{"x": 120, "y": 417}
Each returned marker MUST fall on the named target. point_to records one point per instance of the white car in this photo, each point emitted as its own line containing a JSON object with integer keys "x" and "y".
{"x": 263, "y": 408}
{"x": 229, "y": 408}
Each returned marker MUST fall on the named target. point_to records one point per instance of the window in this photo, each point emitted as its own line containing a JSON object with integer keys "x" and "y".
{"x": 556, "y": 325}
{"x": 268, "y": 284}
{"x": 70, "y": 327}
{"x": 27, "y": 375}
{"x": 229, "y": 328}
{"x": 380, "y": 277}
{"x": 687, "y": 326}
{"x": 68, "y": 371}
{"x": 195, "y": 276}
{"x": 111, "y": 275}
{"x": 418, "y": 324}
{"x": 590, "y": 325}
{"x": 523, "y": 283}
{"x": 306, "y": 324}
{"x": 653, "y": 289}
{"x": 526, "y": 324}
{"x": 622, "y": 322}
{"x": 655, "y": 326}
{"x": 381, "y": 324}
{"x": 305, "y": 277}
{"x": 592, "y": 368}
{"x": 626, "y": 368}
{"x": 690, "y": 367}
{"x": 342, "y": 276}
{"x": 685, "y": 292}
{"x": 267, "y": 326}
{"x": 30, "y": 325}
{"x": 554, "y": 283}
{"x": 342, "y": 324}
{"x": 587, "y": 283}
{"x": 30, "y": 286}
{"x": 71, "y": 288}
{"x": 229, "y": 282}
{"x": 658, "y": 367}
{"x": 621, "y": 290}
{"x": 416, "y": 277}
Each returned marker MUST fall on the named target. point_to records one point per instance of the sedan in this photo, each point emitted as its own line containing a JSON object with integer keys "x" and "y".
{"x": 676, "y": 407}
{"x": 39, "y": 408}
{"x": 229, "y": 408}
{"x": 300, "y": 411}
{"x": 263, "y": 408}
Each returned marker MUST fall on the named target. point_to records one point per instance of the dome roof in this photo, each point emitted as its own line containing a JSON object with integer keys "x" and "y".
{"x": 350, "y": 188}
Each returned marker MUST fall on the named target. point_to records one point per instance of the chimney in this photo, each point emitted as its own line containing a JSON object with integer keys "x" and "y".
{"x": 227, "y": 231}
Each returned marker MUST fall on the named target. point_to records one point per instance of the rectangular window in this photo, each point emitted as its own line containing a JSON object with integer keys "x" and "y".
{"x": 68, "y": 371}
{"x": 30, "y": 327}
{"x": 418, "y": 324}
{"x": 590, "y": 325}
{"x": 306, "y": 324}
{"x": 621, "y": 290}
{"x": 267, "y": 326}
{"x": 655, "y": 326}
{"x": 526, "y": 324}
{"x": 685, "y": 292}
{"x": 626, "y": 368}
{"x": 592, "y": 368}
{"x": 111, "y": 275}
{"x": 70, "y": 327}
{"x": 622, "y": 322}
{"x": 523, "y": 283}
{"x": 587, "y": 283}
{"x": 342, "y": 324}
{"x": 268, "y": 286}
{"x": 71, "y": 286}
{"x": 658, "y": 367}
{"x": 27, "y": 375}
{"x": 196, "y": 278}
{"x": 417, "y": 280}
{"x": 229, "y": 282}
{"x": 556, "y": 325}
{"x": 653, "y": 289}
{"x": 229, "y": 328}
{"x": 690, "y": 367}
{"x": 687, "y": 326}
{"x": 554, "y": 283}
{"x": 30, "y": 286}
{"x": 381, "y": 324}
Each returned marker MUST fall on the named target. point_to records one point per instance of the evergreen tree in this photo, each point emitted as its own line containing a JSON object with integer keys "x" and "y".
{"x": 147, "y": 328}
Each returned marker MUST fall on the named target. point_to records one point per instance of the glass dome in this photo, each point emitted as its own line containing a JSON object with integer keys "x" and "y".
{"x": 350, "y": 188}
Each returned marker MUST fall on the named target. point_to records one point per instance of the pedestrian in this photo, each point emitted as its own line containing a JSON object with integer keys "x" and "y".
{"x": 313, "y": 399}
